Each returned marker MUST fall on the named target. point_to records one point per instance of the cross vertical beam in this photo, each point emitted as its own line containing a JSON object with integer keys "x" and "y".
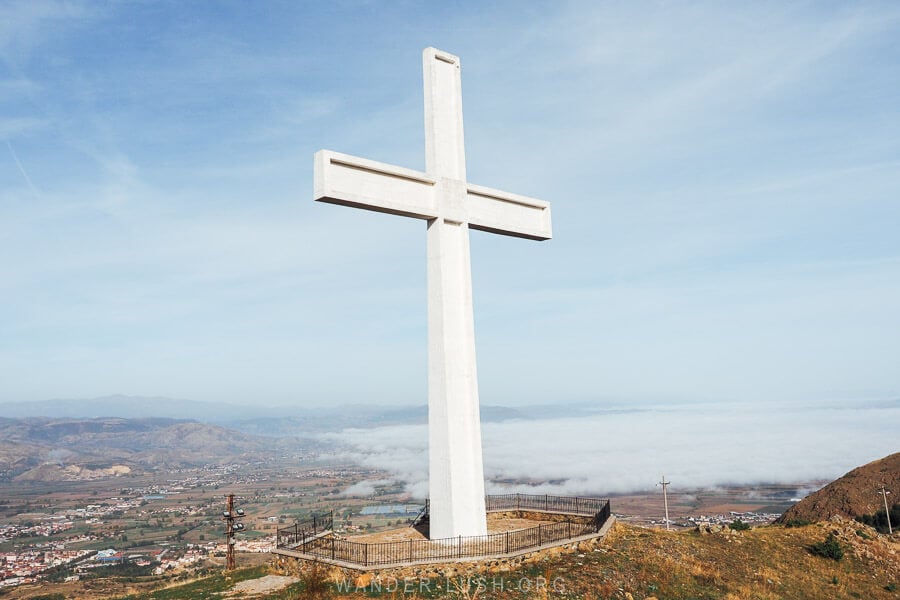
{"x": 445, "y": 154}
{"x": 456, "y": 477}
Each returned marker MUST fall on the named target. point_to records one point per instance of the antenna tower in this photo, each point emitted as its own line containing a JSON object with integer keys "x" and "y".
{"x": 232, "y": 525}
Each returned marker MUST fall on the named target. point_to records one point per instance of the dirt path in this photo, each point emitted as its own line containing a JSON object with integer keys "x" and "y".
{"x": 263, "y": 585}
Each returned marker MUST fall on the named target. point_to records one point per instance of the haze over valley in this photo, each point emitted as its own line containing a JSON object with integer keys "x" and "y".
{"x": 587, "y": 448}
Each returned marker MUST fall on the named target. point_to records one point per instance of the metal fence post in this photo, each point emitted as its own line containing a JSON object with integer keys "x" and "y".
{"x": 507, "y": 542}
{"x": 332, "y": 548}
{"x": 459, "y": 546}
{"x": 539, "y": 534}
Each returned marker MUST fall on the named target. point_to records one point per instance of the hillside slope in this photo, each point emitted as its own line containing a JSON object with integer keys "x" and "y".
{"x": 852, "y": 495}
{"x": 765, "y": 563}
{"x": 44, "y": 449}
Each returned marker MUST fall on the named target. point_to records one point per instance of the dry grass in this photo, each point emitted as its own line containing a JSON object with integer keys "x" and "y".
{"x": 765, "y": 563}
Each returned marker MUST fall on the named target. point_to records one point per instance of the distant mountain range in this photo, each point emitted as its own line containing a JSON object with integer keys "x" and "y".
{"x": 126, "y": 407}
{"x": 65, "y": 440}
{"x": 271, "y": 420}
{"x": 48, "y": 449}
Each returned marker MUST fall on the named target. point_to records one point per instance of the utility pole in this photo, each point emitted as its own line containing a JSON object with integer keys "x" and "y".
{"x": 664, "y": 485}
{"x": 887, "y": 511}
{"x": 231, "y": 527}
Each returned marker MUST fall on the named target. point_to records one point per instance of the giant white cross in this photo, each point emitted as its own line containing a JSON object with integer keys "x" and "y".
{"x": 450, "y": 206}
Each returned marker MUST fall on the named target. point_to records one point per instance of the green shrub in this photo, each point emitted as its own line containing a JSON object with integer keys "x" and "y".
{"x": 739, "y": 525}
{"x": 891, "y": 587}
{"x": 797, "y": 523}
{"x": 829, "y": 548}
{"x": 863, "y": 534}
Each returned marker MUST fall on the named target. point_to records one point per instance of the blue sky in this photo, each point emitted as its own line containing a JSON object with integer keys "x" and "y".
{"x": 724, "y": 180}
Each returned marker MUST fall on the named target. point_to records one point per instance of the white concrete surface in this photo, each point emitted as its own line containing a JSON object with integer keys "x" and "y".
{"x": 450, "y": 206}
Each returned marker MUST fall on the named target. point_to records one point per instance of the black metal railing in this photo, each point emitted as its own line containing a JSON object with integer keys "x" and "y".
{"x": 590, "y": 514}
{"x": 544, "y": 503}
{"x": 303, "y": 531}
{"x": 422, "y": 517}
{"x": 602, "y": 516}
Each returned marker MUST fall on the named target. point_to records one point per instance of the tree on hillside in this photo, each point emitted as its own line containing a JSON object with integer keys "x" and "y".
{"x": 879, "y": 519}
{"x": 829, "y": 548}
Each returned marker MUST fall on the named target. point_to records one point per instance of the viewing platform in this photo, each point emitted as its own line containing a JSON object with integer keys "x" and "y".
{"x": 560, "y": 520}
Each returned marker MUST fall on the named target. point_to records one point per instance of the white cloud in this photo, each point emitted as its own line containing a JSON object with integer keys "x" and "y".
{"x": 12, "y": 127}
{"x": 365, "y": 488}
{"x": 694, "y": 446}
{"x": 25, "y": 24}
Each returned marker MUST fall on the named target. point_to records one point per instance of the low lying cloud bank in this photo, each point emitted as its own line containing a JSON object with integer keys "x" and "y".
{"x": 366, "y": 488}
{"x": 694, "y": 446}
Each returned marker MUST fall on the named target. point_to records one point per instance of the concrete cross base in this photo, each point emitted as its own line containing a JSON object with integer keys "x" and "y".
{"x": 567, "y": 543}
{"x": 567, "y": 521}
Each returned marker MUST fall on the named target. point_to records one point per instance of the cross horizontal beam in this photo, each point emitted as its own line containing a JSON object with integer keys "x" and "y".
{"x": 362, "y": 183}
